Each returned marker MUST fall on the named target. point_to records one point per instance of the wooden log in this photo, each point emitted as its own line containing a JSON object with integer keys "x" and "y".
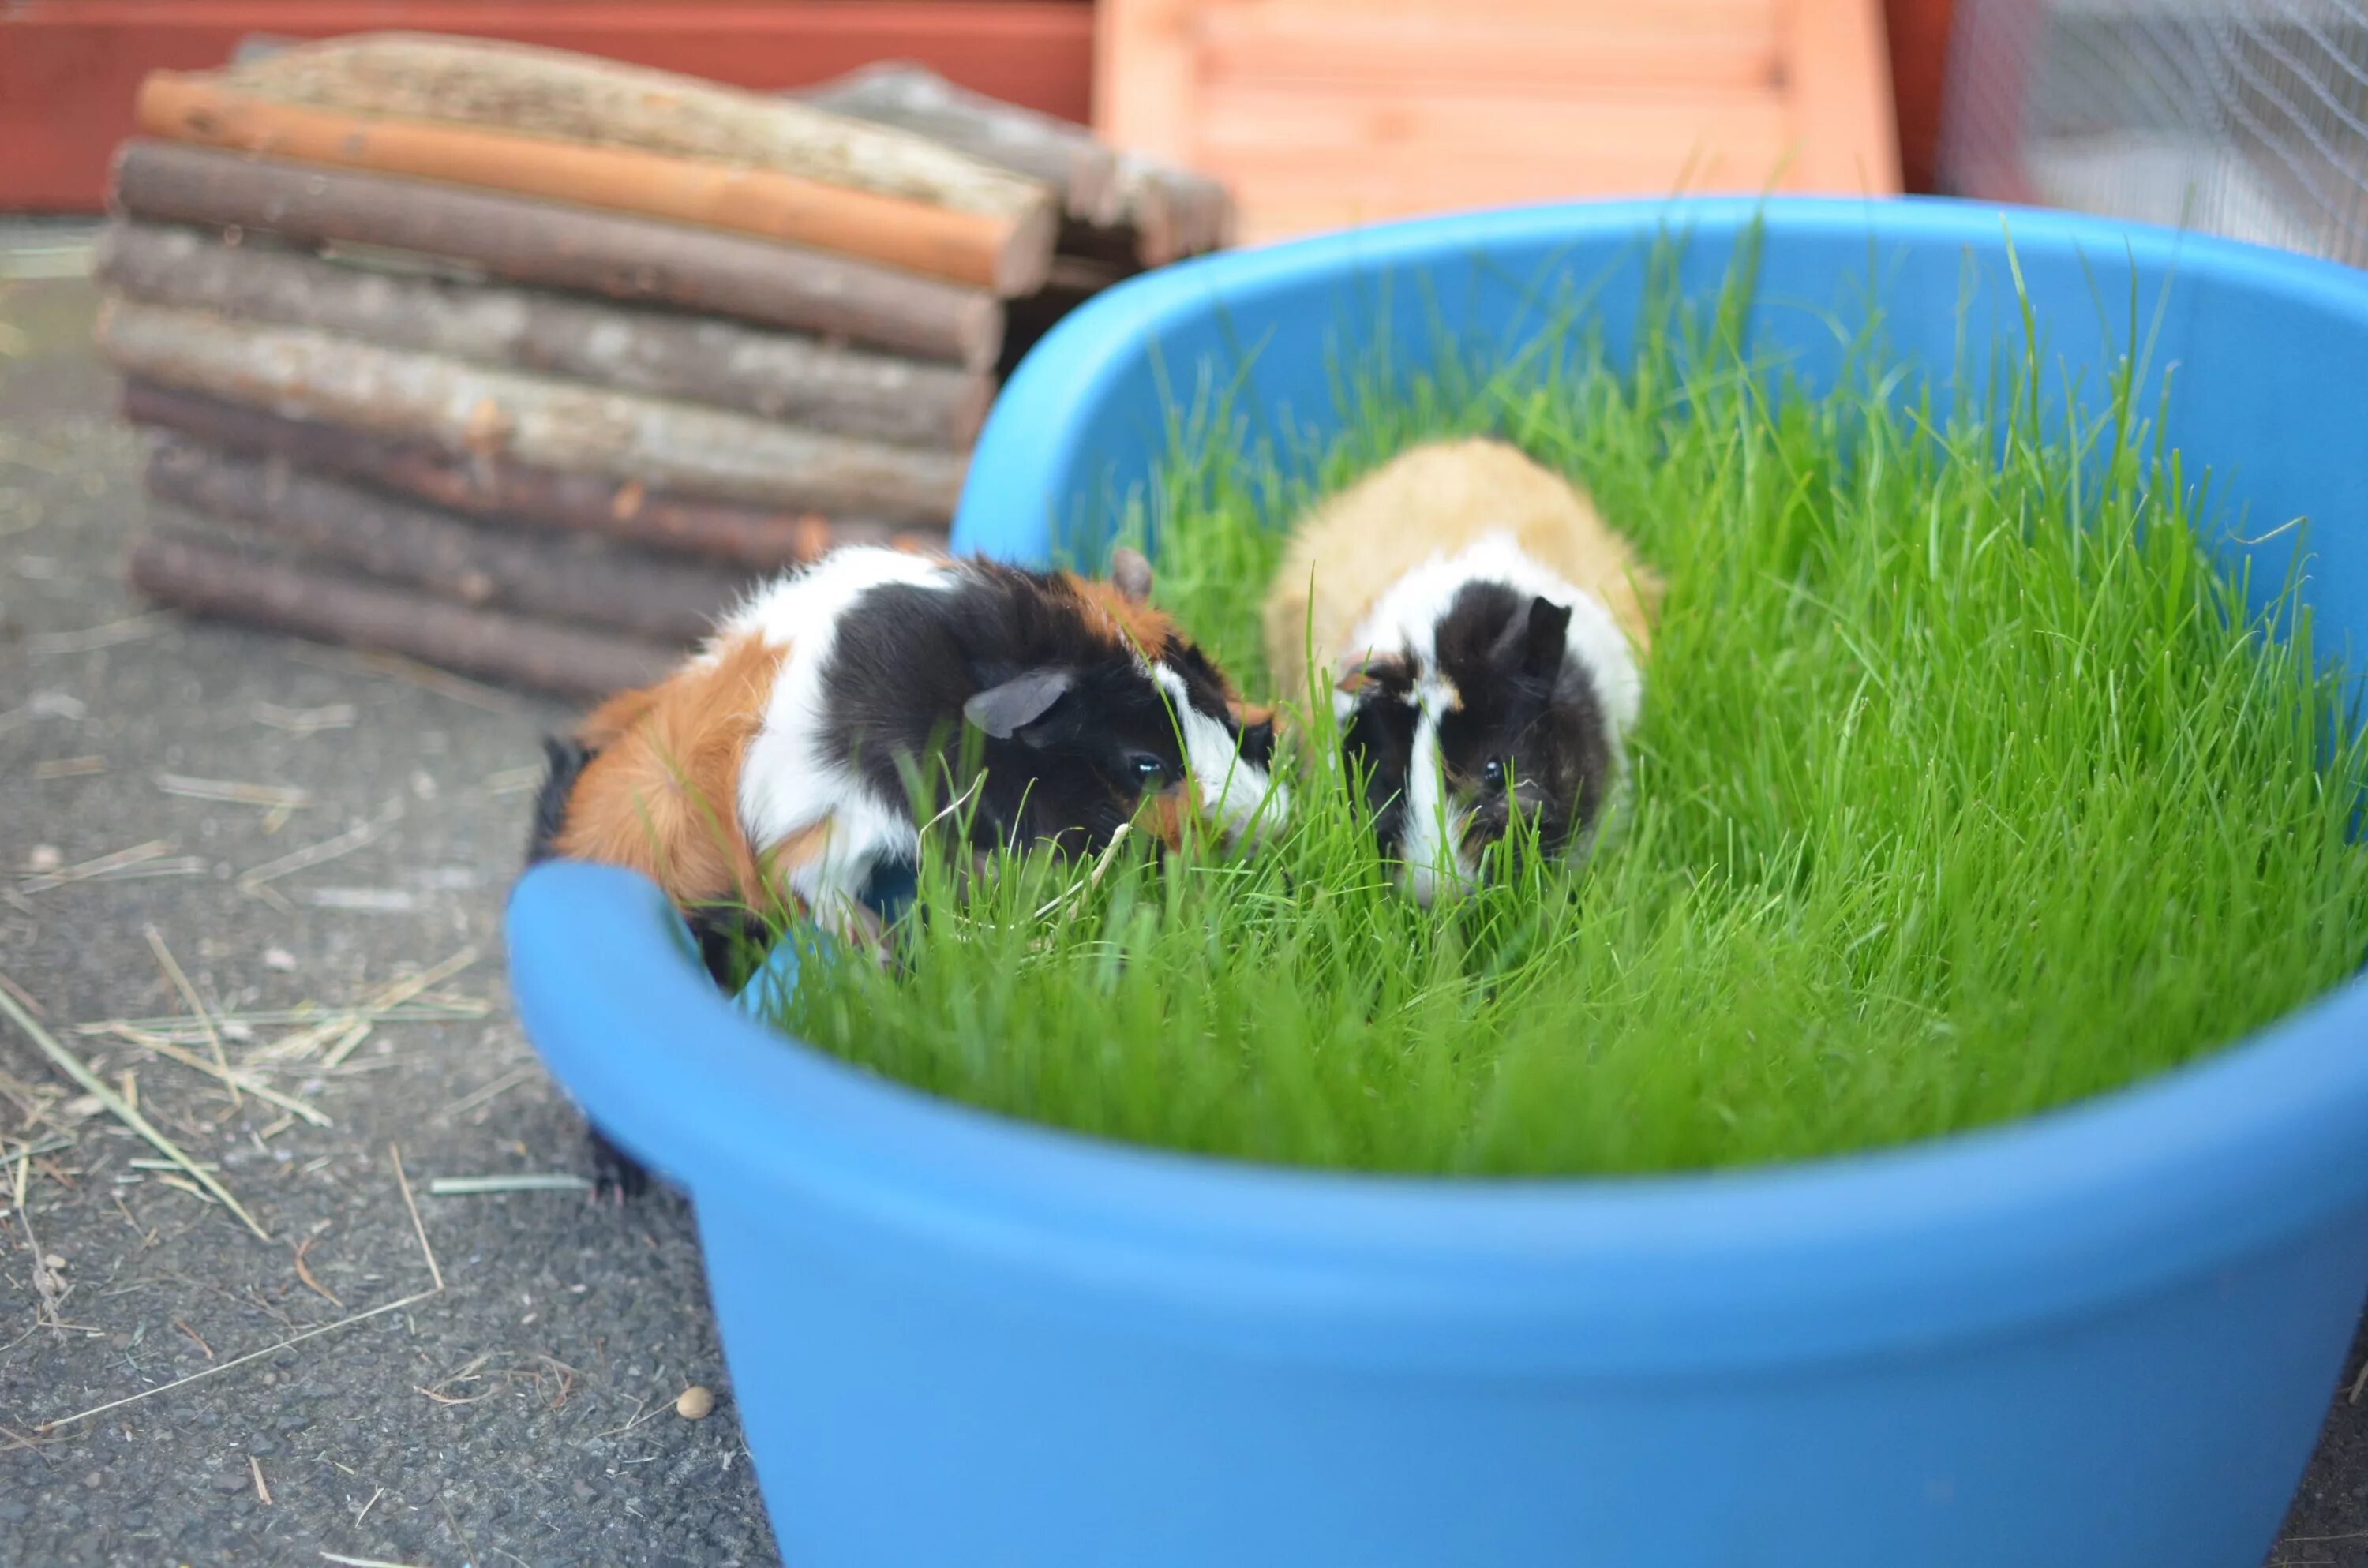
{"x": 1174, "y": 213}
{"x": 1008, "y": 255}
{"x": 496, "y": 490}
{"x": 913, "y": 97}
{"x": 576, "y": 97}
{"x": 463, "y": 409}
{"x": 248, "y": 585}
{"x": 532, "y": 242}
{"x": 794, "y": 380}
{"x": 583, "y": 579}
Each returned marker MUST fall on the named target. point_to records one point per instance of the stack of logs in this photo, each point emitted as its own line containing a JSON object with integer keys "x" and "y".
{"x": 523, "y": 363}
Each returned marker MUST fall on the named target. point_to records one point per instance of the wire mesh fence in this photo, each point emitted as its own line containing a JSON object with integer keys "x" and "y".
{"x": 2244, "y": 117}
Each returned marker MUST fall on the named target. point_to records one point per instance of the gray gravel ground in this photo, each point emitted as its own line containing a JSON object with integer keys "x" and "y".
{"x": 523, "y": 1416}
{"x": 546, "y": 1433}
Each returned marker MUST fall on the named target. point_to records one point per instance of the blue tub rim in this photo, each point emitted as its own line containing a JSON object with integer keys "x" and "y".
{"x": 2056, "y": 1216}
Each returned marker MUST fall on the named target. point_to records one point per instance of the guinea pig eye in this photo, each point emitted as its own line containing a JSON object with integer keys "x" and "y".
{"x": 1148, "y": 768}
{"x": 1495, "y": 772}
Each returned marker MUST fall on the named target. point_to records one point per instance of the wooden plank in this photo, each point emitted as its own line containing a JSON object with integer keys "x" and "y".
{"x": 1261, "y": 122}
{"x": 1698, "y": 15}
{"x": 580, "y": 579}
{"x": 1348, "y": 192}
{"x": 1840, "y": 86}
{"x": 1008, "y": 255}
{"x": 499, "y": 490}
{"x": 900, "y": 94}
{"x": 1449, "y": 49}
{"x": 1147, "y": 69}
{"x": 250, "y": 586}
{"x": 532, "y": 242}
{"x": 467, "y": 410}
{"x": 792, "y": 379}
{"x": 68, "y": 68}
{"x": 528, "y": 91}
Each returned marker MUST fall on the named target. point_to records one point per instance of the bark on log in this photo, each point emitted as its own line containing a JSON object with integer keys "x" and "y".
{"x": 915, "y": 98}
{"x": 1006, "y": 254}
{"x": 793, "y": 379}
{"x": 496, "y": 490}
{"x": 1117, "y": 204}
{"x": 248, "y": 585}
{"x": 576, "y": 98}
{"x": 462, "y": 409}
{"x": 532, "y": 242}
{"x": 583, "y": 579}
{"x": 1174, "y": 213}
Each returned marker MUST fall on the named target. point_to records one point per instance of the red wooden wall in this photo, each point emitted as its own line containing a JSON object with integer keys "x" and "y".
{"x": 68, "y": 67}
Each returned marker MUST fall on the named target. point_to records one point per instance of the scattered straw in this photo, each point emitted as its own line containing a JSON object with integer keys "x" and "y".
{"x": 195, "y": 1339}
{"x": 174, "y": 972}
{"x": 2359, "y": 1385}
{"x": 102, "y": 866}
{"x": 304, "y": 720}
{"x": 258, "y": 878}
{"x": 236, "y": 1080}
{"x": 181, "y": 1030}
{"x": 341, "y": 1023}
{"x": 334, "y": 1057}
{"x": 470, "y": 1187}
{"x": 73, "y": 1067}
{"x": 435, "y": 1272}
{"x": 513, "y": 780}
{"x": 499, "y": 1087}
{"x": 306, "y": 1275}
{"x": 69, "y": 767}
{"x": 274, "y": 797}
{"x": 362, "y": 1561}
{"x": 47, "y": 1146}
{"x": 91, "y": 639}
{"x": 261, "y": 1491}
{"x": 184, "y": 1185}
{"x": 395, "y": 667}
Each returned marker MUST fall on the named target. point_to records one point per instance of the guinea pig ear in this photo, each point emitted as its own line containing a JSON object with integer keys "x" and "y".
{"x": 1543, "y": 639}
{"x": 1004, "y": 710}
{"x": 1131, "y": 575}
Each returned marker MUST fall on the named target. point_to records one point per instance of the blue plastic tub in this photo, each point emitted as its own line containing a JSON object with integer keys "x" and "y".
{"x": 2104, "y": 1337}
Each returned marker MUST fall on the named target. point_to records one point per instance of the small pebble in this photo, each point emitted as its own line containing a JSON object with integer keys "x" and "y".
{"x": 232, "y": 1480}
{"x": 695, "y": 1403}
{"x": 279, "y": 959}
{"x": 44, "y": 858}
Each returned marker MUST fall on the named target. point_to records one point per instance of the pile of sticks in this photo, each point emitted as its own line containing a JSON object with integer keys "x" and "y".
{"x": 523, "y": 363}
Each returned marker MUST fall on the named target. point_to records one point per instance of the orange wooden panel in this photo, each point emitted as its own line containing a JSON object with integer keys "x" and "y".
{"x": 1839, "y": 76}
{"x": 1266, "y": 43}
{"x": 68, "y": 68}
{"x": 1327, "y": 111}
{"x": 1151, "y": 46}
{"x": 1291, "y": 122}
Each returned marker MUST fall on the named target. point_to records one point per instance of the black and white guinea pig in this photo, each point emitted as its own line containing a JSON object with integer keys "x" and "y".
{"x": 1484, "y": 630}
{"x": 774, "y": 761}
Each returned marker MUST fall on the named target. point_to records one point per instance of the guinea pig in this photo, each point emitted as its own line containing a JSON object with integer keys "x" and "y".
{"x": 1484, "y": 630}
{"x": 774, "y": 763}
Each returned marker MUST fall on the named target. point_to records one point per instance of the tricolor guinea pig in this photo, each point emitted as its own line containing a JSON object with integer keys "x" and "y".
{"x": 1481, "y": 631}
{"x": 776, "y": 763}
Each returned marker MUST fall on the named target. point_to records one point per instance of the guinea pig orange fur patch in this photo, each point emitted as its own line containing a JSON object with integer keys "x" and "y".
{"x": 661, "y": 795}
{"x": 1131, "y": 622}
{"x": 1165, "y": 815}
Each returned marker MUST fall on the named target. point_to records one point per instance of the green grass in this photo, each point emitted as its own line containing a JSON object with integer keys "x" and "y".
{"x": 1966, "y": 787}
